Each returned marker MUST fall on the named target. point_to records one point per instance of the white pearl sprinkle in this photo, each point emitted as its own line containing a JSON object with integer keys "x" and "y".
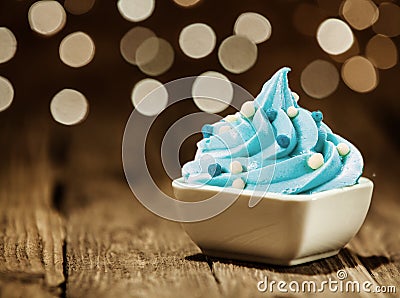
{"x": 231, "y": 118}
{"x": 248, "y": 109}
{"x": 315, "y": 161}
{"x": 235, "y": 167}
{"x": 343, "y": 149}
{"x": 223, "y": 129}
{"x": 296, "y": 96}
{"x": 238, "y": 183}
{"x": 292, "y": 112}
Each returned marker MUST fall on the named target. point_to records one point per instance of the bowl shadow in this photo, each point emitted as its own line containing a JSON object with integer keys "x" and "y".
{"x": 345, "y": 259}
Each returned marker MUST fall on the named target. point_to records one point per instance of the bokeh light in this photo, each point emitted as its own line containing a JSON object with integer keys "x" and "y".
{"x": 353, "y": 51}
{"x": 149, "y": 97}
{"x": 254, "y": 26}
{"x": 131, "y": 41}
{"x": 389, "y": 20}
{"x": 77, "y": 49}
{"x": 6, "y": 93}
{"x": 8, "y": 45}
{"x": 78, "y": 7}
{"x": 186, "y": 3}
{"x": 212, "y": 92}
{"x": 237, "y": 54}
{"x": 147, "y": 50}
{"x": 334, "y": 36}
{"x": 360, "y": 14}
{"x": 307, "y": 17}
{"x": 319, "y": 79}
{"x": 47, "y": 17}
{"x": 136, "y": 10}
{"x": 155, "y": 56}
{"x": 197, "y": 40}
{"x": 360, "y": 74}
{"x": 69, "y": 107}
{"x": 382, "y": 52}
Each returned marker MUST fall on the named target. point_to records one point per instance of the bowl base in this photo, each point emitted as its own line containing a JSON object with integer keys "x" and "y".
{"x": 259, "y": 259}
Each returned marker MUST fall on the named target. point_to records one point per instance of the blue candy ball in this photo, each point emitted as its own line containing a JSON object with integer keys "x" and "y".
{"x": 271, "y": 114}
{"x": 283, "y": 141}
{"x": 214, "y": 169}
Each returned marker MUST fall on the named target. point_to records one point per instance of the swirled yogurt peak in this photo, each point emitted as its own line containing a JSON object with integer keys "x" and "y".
{"x": 274, "y": 145}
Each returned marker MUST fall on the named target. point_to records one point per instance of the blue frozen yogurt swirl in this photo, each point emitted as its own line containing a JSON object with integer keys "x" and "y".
{"x": 274, "y": 145}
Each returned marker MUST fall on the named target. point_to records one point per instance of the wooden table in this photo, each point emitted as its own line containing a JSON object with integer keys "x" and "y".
{"x": 70, "y": 227}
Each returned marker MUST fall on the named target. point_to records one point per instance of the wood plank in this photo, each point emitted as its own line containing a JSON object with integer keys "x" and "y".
{"x": 112, "y": 250}
{"x": 115, "y": 247}
{"x": 243, "y": 277}
{"x": 378, "y": 243}
{"x": 31, "y": 231}
{"x": 17, "y": 288}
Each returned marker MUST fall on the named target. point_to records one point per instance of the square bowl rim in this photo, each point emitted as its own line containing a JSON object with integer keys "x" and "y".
{"x": 363, "y": 182}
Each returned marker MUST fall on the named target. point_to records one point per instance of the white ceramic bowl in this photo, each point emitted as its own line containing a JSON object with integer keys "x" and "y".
{"x": 280, "y": 229}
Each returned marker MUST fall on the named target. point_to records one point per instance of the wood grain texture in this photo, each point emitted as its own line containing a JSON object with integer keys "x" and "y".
{"x": 378, "y": 242}
{"x": 27, "y": 288}
{"x": 240, "y": 277}
{"x": 31, "y": 231}
{"x": 113, "y": 250}
{"x": 115, "y": 247}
